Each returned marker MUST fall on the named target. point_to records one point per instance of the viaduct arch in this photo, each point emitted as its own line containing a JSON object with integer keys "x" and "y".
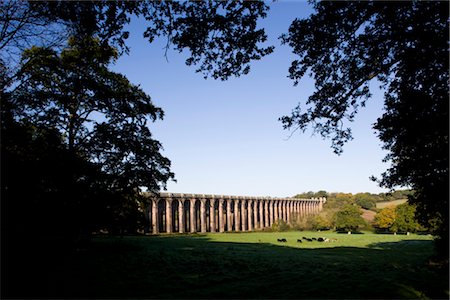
{"x": 182, "y": 213}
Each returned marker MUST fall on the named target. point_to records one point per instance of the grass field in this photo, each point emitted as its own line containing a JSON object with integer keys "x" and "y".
{"x": 388, "y": 203}
{"x": 248, "y": 265}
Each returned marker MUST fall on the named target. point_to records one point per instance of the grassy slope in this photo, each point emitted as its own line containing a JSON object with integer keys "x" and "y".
{"x": 248, "y": 265}
{"x": 388, "y": 203}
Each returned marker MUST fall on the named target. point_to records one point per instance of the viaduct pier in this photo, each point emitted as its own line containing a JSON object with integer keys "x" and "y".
{"x": 173, "y": 212}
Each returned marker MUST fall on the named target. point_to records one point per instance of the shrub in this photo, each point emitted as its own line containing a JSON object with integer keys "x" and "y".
{"x": 280, "y": 225}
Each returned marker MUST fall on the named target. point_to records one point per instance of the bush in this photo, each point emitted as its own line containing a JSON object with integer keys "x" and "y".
{"x": 321, "y": 222}
{"x": 280, "y": 225}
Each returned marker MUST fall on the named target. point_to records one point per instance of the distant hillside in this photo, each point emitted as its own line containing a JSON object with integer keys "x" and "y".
{"x": 368, "y": 215}
{"x": 387, "y": 203}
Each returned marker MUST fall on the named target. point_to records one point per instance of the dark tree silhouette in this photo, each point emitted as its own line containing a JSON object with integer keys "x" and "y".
{"x": 221, "y": 36}
{"x": 60, "y": 89}
{"x": 75, "y": 145}
{"x": 344, "y": 45}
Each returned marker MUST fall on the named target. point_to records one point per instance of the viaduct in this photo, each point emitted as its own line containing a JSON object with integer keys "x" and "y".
{"x": 170, "y": 212}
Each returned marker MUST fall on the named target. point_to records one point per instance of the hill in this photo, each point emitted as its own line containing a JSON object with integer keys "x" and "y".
{"x": 368, "y": 215}
{"x": 388, "y": 203}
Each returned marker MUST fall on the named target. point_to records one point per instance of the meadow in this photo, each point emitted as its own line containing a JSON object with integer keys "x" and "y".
{"x": 248, "y": 265}
{"x": 385, "y": 204}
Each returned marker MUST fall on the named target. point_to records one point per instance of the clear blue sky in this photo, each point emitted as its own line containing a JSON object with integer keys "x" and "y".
{"x": 225, "y": 137}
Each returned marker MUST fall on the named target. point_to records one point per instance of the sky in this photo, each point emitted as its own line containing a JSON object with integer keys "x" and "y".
{"x": 224, "y": 137}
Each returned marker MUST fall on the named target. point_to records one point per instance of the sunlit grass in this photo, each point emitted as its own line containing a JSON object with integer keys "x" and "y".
{"x": 365, "y": 239}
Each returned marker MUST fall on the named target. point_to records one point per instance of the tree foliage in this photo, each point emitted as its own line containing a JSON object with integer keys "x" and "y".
{"x": 349, "y": 218}
{"x": 399, "y": 218}
{"x": 65, "y": 92}
{"x": 404, "y": 45}
{"x": 385, "y": 218}
{"x": 221, "y": 36}
{"x": 405, "y": 220}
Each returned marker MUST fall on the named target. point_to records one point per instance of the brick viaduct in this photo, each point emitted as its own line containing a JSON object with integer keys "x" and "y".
{"x": 170, "y": 212}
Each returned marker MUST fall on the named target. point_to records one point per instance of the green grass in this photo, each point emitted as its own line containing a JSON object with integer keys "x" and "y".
{"x": 250, "y": 265}
{"x": 389, "y": 203}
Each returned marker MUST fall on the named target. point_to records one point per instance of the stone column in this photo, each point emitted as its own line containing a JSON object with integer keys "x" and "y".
{"x": 237, "y": 215}
{"x": 304, "y": 208}
{"x": 169, "y": 215}
{"x": 202, "y": 215}
{"x": 292, "y": 210}
{"x": 255, "y": 214}
{"x": 266, "y": 213}
{"x": 276, "y": 214}
{"x": 300, "y": 210}
{"x": 283, "y": 210}
{"x": 192, "y": 215}
{"x": 244, "y": 214}
{"x": 288, "y": 212}
{"x": 155, "y": 223}
{"x": 181, "y": 215}
{"x": 271, "y": 212}
{"x": 261, "y": 213}
{"x": 249, "y": 215}
{"x": 212, "y": 214}
{"x": 229, "y": 219}
{"x": 221, "y": 220}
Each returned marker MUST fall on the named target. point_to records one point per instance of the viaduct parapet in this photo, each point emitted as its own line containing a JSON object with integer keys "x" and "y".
{"x": 173, "y": 212}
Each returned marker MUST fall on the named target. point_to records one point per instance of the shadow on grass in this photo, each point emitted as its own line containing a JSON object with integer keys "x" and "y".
{"x": 195, "y": 267}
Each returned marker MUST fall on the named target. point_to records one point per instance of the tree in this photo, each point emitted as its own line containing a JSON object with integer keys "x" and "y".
{"x": 349, "y": 218}
{"x": 344, "y": 46}
{"x": 385, "y": 218}
{"x": 221, "y": 36}
{"x": 64, "y": 91}
{"x": 405, "y": 220}
{"x": 365, "y": 200}
{"x": 23, "y": 27}
{"x": 322, "y": 221}
{"x": 61, "y": 88}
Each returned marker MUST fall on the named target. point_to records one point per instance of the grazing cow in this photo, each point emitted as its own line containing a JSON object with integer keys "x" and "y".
{"x": 314, "y": 239}
{"x": 304, "y": 238}
{"x": 299, "y": 241}
{"x": 309, "y": 240}
{"x": 333, "y": 240}
{"x": 282, "y": 240}
{"x": 320, "y": 239}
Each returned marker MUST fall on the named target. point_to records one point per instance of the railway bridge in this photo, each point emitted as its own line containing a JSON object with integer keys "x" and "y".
{"x": 174, "y": 212}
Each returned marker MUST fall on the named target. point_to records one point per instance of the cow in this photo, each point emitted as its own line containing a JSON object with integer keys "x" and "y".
{"x": 299, "y": 241}
{"x": 309, "y": 240}
{"x": 282, "y": 240}
{"x": 314, "y": 239}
